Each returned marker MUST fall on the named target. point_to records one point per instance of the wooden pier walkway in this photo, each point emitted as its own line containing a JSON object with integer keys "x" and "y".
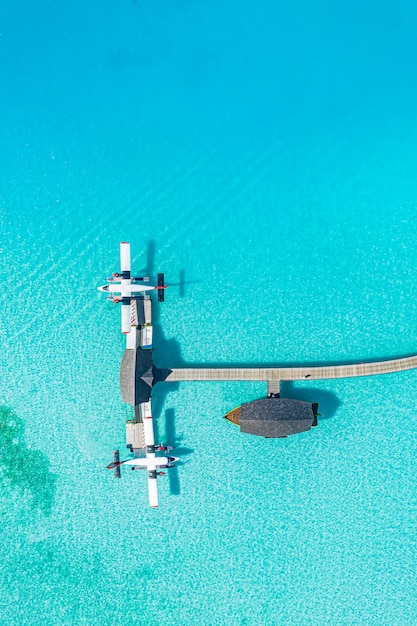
{"x": 271, "y": 374}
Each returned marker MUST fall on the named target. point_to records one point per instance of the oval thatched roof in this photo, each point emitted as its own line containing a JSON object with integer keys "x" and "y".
{"x": 276, "y": 417}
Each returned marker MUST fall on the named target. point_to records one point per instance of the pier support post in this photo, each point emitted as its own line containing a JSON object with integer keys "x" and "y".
{"x": 273, "y": 388}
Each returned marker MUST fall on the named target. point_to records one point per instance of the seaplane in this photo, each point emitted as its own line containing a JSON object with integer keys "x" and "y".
{"x": 152, "y": 463}
{"x": 123, "y": 287}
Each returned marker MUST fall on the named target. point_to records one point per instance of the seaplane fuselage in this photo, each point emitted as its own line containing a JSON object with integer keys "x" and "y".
{"x": 148, "y": 462}
{"x": 126, "y": 288}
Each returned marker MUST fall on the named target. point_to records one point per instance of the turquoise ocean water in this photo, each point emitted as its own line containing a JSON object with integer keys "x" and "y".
{"x": 263, "y": 155}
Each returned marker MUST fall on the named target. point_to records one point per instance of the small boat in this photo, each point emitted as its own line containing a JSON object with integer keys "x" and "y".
{"x": 274, "y": 417}
{"x": 233, "y": 416}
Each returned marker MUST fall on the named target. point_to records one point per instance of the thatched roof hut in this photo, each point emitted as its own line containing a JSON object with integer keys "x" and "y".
{"x": 276, "y": 417}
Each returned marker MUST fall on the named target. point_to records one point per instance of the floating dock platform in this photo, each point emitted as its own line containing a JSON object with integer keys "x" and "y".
{"x": 272, "y": 416}
{"x": 276, "y": 374}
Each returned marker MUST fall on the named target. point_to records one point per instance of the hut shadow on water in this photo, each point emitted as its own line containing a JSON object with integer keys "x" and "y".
{"x": 23, "y": 469}
{"x": 327, "y": 400}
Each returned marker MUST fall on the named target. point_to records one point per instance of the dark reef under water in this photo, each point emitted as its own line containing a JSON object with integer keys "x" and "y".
{"x": 21, "y": 468}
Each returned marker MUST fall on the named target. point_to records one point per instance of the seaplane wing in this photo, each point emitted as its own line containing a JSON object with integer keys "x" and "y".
{"x": 125, "y": 260}
{"x": 153, "y": 488}
{"x": 150, "y": 454}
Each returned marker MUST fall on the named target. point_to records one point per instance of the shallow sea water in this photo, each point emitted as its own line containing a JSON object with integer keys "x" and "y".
{"x": 263, "y": 156}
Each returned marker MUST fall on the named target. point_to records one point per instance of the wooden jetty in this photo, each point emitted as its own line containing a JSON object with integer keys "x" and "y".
{"x": 276, "y": 374}
{"x": 272, "y": 416}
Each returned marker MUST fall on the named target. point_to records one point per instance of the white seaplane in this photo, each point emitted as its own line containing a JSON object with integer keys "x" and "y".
{"x": 124, "y": 287}
{"x": 151, "y": 462}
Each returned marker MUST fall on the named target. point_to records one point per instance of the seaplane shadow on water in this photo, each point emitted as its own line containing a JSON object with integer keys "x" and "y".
{"x": 182, "y": 283}
{"x": 177, "y": 444}
{"x": 149, "y": 270}
{"x": 328, "y": 401}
